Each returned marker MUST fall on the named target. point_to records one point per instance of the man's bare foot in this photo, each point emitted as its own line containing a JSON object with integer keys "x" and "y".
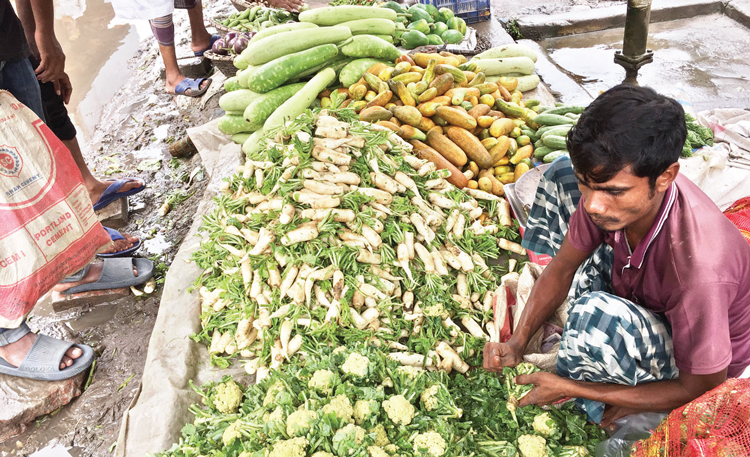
{"x": 121, "y": 245}
{"x": 15, "y": 353}
{"x": 201, "y": 42}
{"x": 96, "y": 191}
{"x": 172, "y": 85}
{"x": 92, "y": 275}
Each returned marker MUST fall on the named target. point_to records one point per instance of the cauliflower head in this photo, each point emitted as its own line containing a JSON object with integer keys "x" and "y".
{"x": 276, "y": 415}
{"x": 322, "y": 454}
{"x": 376, "y": 451}
{"x": 532, "y": 446}
{"x": 436, "y": 310}
{"x": 299, "y": 422}
{"x": 275, "y": 389}
{"x": 228, "y": 397}
{"x": 399, "y": 410}
{"x": 574, "y": 451}
{"x": 347, "y": 439}
{"x": 322, "y": 381}
{"x": 231, "y": 433}
{"x": 408, "y": 370}
{"x": 546, "y": 426}
{"x": 341, "y": 407}
{"x": 429, "y": 397}
{"x": 363, "y": 409}
{"x": 381, "y": 437}
{"x": 430, "y": 443}
{"x": 294, "y": 447}
{"x": 356, "y": 364}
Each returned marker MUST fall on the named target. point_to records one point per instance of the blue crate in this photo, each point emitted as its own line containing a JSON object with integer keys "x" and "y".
{"x": 473, "y": 17}
{"x": 451, "y": 4}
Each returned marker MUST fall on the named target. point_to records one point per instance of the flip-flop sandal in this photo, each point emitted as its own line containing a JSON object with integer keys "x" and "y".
{"x": 42, "y": 363}
{"x": 213, "y": 39}
{"x": 117, "y": 273}
{"x": 111, "y": 194}
{"x": 115, "y": 235}
{"x": 194, "y": 85}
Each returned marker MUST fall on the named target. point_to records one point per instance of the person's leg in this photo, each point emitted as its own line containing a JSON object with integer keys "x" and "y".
{"x": 18, "y": 78}
{"x": 200, "y": 38}
{"x": 15, "y": 344}
{"x": 163, "y": 30}
{"x": 613, "y": 340}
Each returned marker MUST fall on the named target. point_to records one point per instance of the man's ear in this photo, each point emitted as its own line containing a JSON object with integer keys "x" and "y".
{"x": 665, "y": 179}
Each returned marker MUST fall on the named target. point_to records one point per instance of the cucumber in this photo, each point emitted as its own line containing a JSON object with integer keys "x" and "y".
{"x": 370, "y": 26}
{"x": 552, "y": 119}
{"x": 232, "y": 84}
{"x": 492, "y": 67}
{"x": 275, "y": 46}
{"x": 280, "y": 29}
{"x": 233, "y": 124}
{"x": 239, "y": 62}
{"x": 252, "y": 144}
{"x": 276, "y": 72}
{"x": 332, "y": 15}
{"x": 337, "y": 63}
{"x": 240, "y": 138}
{"x": 555, "y": 142}
{"x": 527, "y": 83}
{"x": 561, "y": 130}
{"x": 351, "y": 73}
{"x": 549, "y": 158}
{"x": 243, "y": 76}
{"x": 565, "y": 109}
{"x": 542, "y": 151}
{"x": 300, "y": 101}
{"x": 508, "y": 50}
{"x": 259, "y": 109}
{"x": 370, "y": 46}
{"x": 237, "y": 100}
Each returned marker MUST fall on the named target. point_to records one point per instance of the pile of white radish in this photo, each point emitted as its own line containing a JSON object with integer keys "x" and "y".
{"x": 333, "y": 232}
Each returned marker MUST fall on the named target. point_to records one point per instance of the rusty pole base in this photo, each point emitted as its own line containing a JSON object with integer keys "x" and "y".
{"x": 632, "y": 64}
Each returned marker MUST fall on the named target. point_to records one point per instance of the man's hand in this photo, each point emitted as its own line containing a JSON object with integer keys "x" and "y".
{"x": 548, "y": 388}
{"x": 499, "y": 355}
{"x": 289, "y": 5}
{"x": 52, "y": 59}
{"x": 64, "y": 88}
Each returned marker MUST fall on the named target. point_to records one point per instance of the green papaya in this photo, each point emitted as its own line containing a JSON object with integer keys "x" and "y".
{"x": 452, "y": 36}
{"x": 394, "y": 6}
{"x": 435, "y": 40}
{"x": 418, "y": 12}
{"x": 414, "y": 39}
{"x": 445, "y": 14}
{"x": 456, "y": 23}
{"x": 432, "y": 9}
{"x": 420, "y": 25}
{"x": 440, "y": 27}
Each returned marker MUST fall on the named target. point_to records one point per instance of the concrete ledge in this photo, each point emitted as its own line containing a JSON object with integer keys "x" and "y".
{"x": 574, "y": 22}
{"x": 739, "y": 11}
{"x": 62, "y": 302}
{"x": 557, "y": 82}
{"x": 114, "y": 215}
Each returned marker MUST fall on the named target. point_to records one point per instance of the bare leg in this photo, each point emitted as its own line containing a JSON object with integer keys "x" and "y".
{"x": 15, "y": 353}
{"x": 200, "y": 39}
{"x": 172, "y": 70}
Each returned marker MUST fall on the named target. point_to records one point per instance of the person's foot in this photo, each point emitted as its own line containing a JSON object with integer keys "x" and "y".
{"x": 202, "y": 42}
{"x": 171, "y": 86}
{"x": 92, "y": 275}
{"x": 121, "y": 245}
{"x": 96, "y": 191}
{"x": 15, "y": 353}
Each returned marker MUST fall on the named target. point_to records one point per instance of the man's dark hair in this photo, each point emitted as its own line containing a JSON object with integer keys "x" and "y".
{"x": 627, "y": 126}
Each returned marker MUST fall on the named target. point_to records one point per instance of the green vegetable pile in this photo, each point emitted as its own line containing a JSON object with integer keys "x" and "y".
{"x": 258, "y": 18}
{"x": 424, "y": 24}
{"x": 697, "y": 136}
{"x": 306, "y": 249}
{"x": 359, "y": 403}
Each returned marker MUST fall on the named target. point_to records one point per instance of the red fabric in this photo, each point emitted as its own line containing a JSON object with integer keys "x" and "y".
{"x": 739, "y": 214}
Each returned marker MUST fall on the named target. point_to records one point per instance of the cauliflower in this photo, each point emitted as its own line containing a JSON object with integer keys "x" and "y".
{"x": 347, "y": 438}
{"x": 381, "y": 437}
{"x": 339, "y": 350}
{"x": 391, "y": 448}
{"x": 410, "y": 371}
{"x": 574, "y": 451}
{"x": 387, "y": 382}
{"x": 228, "y": 397}
{"x": 231, "y": 433}
{"x": 322, "y": 454}
{"x": 363, "y": 409}
{"x": 322, "y": 381}
{"x": 275, "y": 389}
{"x": 341, "y": 407}
{"x": 376, "y": 451}
{"x": 294, "y": 447}
{"x": 437, "y": 399}
{"x": 399, "y": 410}
{"x": 546, "y": 426}
{"x": 429, "y": 397}
{"x": 532, "y": 446}
{"x": 276, "y": 415}
{"x": 429, "y": 443}
{"x": 356, "y": 364}
{"x": 436, "y": 310}
{"x": 299, "y": 422}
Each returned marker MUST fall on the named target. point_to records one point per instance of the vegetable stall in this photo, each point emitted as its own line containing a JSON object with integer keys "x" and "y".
{"x": 352, "y": 263}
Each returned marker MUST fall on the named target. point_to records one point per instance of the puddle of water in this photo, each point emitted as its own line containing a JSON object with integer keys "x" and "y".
{"x": 700, "y": 57}
{"x": 53, "y": 450}
{"x": 157, "y": 244}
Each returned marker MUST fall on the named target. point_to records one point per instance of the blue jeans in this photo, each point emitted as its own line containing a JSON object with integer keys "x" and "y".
{"x": 19, "y": 79}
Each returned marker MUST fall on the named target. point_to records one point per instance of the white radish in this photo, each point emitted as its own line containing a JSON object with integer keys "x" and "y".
{"x": 504, "y": 213}
{"x": 463, "y": 302}
{"x": 422, "y": 228}
{"x": 289, "y": 279}
{"x": 258, "y": 178}
{"x": 412, "y": 360}
{"x": 285, "y": 332}
{"x": 426, "y": 169}
{"x": 475, "y": 296}
{"x": 255, "y": 198}
{"x": 322, "y": 188}
{"x": 255, "y": 288}
{"x": 475, "y": 213}
{"x": 349, "y": 178}
{"x": 380, "y": 196}
{"x": 338, "y": 215}
{"x": 309, "y": 173}
{"x": 414, "y": 162}
{"x": 294, "y": 345}
{"x": 511, "y": 246}
{"x": 373, "y": 239}
{"x": 512, "y": 265}
{"x": 439, "y": 263}
{"x": 480, "y": 194}
{"x": 402, "y": 253}
{"x": 425, "y": 257}
{"x": 366, "y": 256}
{"x": 441, "y": 201}
{"x": 329, "y": 155}
{"x": 406, "y": 181}
{"x": 358, "y": 300}
{"x": 251, "y": 236}
{"x": 408, "y": 300}
{"x": 265, "y": 238}
{"x": 322, "y": 167}
{"x": 338, "y": 284}
{"x": 447, "y": 353}
{"x": 453, "y": 329}
{"x": 474, "y": 328}
{"x": 274, "y": 276}
{"x": 409, "y": 240}
{"x": 281, "y": 312}
{"x": 247, "y": 274}
{"x": 462, "y": 285}
{"x": 368, "y": 290}
{"x": 327, "y": 202}
{"x": 458, "y": 227}
{"x": 306, "y": 232}
{"x": 320, "y": 296}
{"x": 384, "y": 182}
{"x": 383, "y": 274}
{"x": 287, "y": 213}
{"x": 330, "y": 127}
{"x": 467, "y": 263}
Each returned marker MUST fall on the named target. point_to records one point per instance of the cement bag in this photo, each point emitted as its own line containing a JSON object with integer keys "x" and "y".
{"x": 48, "y": 228}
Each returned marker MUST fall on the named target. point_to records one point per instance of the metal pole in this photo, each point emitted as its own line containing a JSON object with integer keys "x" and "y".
{"x": 634, "y": 53}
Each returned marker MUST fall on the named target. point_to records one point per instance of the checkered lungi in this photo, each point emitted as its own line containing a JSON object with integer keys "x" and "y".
{"x": 606, "y": 338}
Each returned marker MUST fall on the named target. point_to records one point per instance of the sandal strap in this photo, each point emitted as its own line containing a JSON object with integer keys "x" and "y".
{"x": 11, "y": 335}
{"x": 77, "y": 276}
{"x": 45, "y": 355}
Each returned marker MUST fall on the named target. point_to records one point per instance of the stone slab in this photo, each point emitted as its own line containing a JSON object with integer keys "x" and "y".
{"x": 23, "y": 400}
{"x": 574, "y": 22}
{"x": 739, "y": 11}
{"x": 114, "y": 215}
{"x": 561, "y": 86}
{"x": 62, "y": 302}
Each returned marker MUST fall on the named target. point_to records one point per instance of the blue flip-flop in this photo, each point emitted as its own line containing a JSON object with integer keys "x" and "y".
{"x": 214, "y": 37}
{"x": 111, "y": 194}
{"x": 115, "y": 235}
{"x": 194, "y": 85}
